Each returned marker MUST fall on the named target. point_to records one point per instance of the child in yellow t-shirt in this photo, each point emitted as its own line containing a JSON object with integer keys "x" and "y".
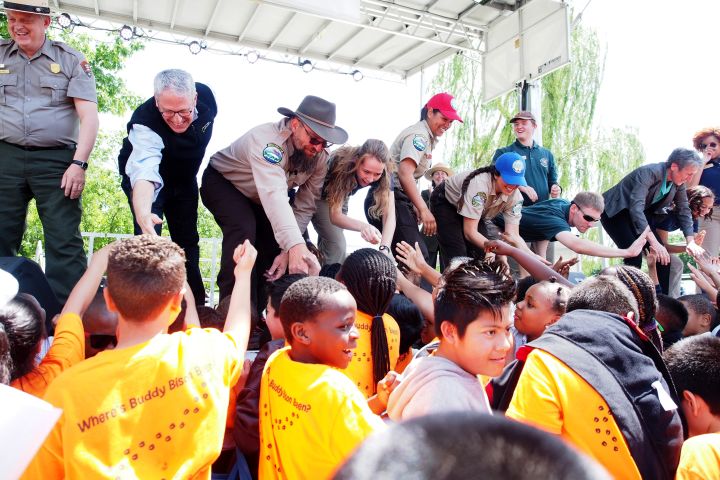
{"x": 694, "y": 365}
{"x": 312, "y": 416}
{"x": 155, "y": 406}
{"x": 370, "y": 277}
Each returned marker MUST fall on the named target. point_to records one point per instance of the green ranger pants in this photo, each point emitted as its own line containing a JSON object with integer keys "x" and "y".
{"x": 25, "y": 175}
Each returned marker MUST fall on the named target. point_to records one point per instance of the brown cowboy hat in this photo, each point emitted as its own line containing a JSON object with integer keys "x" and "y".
{"x": 318, "y": 114}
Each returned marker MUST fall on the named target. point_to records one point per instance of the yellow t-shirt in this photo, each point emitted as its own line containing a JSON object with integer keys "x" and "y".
{"x": 551, "y": 396}
{"x": 360, "y": 369}
{"x": 155, "y": 410}
{"x": 700, "y": 458}
{"x": 311, "y": 418}
{"x": 67, "y": 349}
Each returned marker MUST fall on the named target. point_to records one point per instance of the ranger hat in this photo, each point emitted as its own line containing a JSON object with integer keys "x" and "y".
{"x": 29, "y": 6}
{"x": 318, "y": 114}
{"x": 440, "y": 167}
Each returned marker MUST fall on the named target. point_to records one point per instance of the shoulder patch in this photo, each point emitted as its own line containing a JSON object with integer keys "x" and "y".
{"x": 517, "y": 209}
{"x": 273, "y": 153}
{"x": 479, "y": 199}
{"x": 419, "y": 142}
{"x": 544, "y": 162}
{"x": 86, "y": 68}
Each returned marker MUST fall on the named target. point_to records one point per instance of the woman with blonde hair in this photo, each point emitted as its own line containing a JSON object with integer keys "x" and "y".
{"x": 349, "y": 170}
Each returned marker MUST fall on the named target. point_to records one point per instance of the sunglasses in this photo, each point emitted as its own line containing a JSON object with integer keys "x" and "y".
{"x": 315, "y": 140}
{"x": 711, "y": 145}
{"x": 101, "y": 342}
{"x": 585, "y": 216}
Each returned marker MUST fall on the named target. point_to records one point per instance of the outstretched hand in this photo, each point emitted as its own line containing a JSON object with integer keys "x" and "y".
{"x": 563, "y": 267}
{"x": 411, "y": 257}
{"x": 498, "y": 247}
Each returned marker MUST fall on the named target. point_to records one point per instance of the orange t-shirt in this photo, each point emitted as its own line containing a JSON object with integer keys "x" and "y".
{"x": 360, "y": 369}
{"x": 551, "y": 396}
{"x": 155, "y": 410}
{"x": 67, "y": 349}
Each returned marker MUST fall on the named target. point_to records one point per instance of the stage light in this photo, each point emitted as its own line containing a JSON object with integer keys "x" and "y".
{"x": 194, "y": 47}
{"x": 252, "y": 56}
{"x": 307, "y": 66}
{"x": 357, "y": 75}
{"x": 64, "y": 21}
{"x": 127, "y": 32}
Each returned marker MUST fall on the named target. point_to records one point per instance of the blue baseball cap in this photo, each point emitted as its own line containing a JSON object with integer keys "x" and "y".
{"x": 512, "y": 168}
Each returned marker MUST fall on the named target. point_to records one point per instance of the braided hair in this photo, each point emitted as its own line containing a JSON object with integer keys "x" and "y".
{"x": 463, "y": 190}
{"x": 643, "y": 289}
{"x": 371, "y": 277}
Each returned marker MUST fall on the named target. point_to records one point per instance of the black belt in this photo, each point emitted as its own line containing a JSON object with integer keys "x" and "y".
{"x": 37, "y": 149}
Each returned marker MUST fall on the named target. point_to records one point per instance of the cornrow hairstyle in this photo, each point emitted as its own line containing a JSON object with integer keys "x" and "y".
{"x": 560, "y": 295}
{"x": 643, "y": 289}
{"x": 342, "y": 175}
{"x": 475, "y": 286}
{"x": 695, "y": 196}
{"x": 304, "y": 300}
{"x": 488, "y": 169}
{"x": 371, "y": 278}
{"x": 6, "y": 364}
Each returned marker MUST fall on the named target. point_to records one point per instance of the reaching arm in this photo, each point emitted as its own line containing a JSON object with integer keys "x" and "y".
{"x": 368, "y": 232}
{"x": 407, "y": 182}
{"x": 86, "y": 288}
{"x": 586, "y": 247}
{"x": 418, "y": 296}
{"x": 389, "y": 221}
{"x": 238, "y": 319}
{"x": 142, "y": 200}
{"x": 470, "y": 231}
{"x": 414, "y": 260}
{"x": 529, "y": 261}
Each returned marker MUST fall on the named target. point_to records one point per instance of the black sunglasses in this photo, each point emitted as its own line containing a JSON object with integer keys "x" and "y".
{"x": 711, "y": 145}
{"x": 315, "y": 140}
{"x": 101, "y": 342}
{"x": 585, "y": 216}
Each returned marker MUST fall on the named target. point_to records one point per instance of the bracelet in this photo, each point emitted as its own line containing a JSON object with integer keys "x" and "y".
{"x": 382, "y": 248}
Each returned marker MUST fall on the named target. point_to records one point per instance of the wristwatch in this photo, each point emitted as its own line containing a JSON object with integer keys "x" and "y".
{"x": 80, "y": 163}
{"x": 382, "y": 248}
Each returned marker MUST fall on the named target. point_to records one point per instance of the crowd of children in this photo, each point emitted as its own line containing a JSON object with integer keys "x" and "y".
{"x": 579, "y": 364}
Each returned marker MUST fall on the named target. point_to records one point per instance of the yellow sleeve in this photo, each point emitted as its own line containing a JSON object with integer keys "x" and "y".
{"x": 700, "y": 458}
{"x": 353, "y": 423}
{"x": 67, "y": 349}
{"x": 536, "y": 400}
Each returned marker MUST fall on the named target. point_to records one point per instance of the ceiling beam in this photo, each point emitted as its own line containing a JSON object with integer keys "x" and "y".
{"x": 282, "y": 29}
{"x": 212, "y": 17}
{"x": 176, "y": 4}
{"x": 401, "y": 55}
{"x": 250, "y": 21}
{"x": 315, "y": 36}
{"x": 135, "y": 11}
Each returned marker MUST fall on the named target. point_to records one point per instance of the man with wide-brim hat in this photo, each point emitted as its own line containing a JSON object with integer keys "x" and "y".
{"x": 48, "y": 125}
{"x": 246, "y": 185}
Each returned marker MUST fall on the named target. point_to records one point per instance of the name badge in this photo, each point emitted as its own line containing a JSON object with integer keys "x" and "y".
{"x": 55, "y": 67}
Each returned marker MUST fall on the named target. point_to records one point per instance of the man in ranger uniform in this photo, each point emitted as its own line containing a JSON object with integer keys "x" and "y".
{"x": 246, "y": 185}
{"x": 160, "y": 159}
{"x": 48, "y": 125}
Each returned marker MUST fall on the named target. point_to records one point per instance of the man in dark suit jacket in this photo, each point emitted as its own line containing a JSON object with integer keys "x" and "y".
{"x": 645, "y": 196}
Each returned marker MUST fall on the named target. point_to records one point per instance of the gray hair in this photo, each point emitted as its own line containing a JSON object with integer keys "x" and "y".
{"x": 682, "y": 157}
{"x": 176, "y": 80}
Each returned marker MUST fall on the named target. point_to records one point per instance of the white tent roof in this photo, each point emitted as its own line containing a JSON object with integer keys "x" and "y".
{"x": 394, "y": 36}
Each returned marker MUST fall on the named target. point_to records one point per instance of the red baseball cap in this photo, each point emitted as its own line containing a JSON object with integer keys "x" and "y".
{"x": 446, "y": 104}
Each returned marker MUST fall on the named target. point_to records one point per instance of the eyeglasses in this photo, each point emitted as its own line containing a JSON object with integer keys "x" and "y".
{"x": 315, "y": 140}
{"x": 101, "y": 342}
{"x": 585, "y": 216}
{"x": 168, "y": 114}
{"x": 711, "y": 145}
